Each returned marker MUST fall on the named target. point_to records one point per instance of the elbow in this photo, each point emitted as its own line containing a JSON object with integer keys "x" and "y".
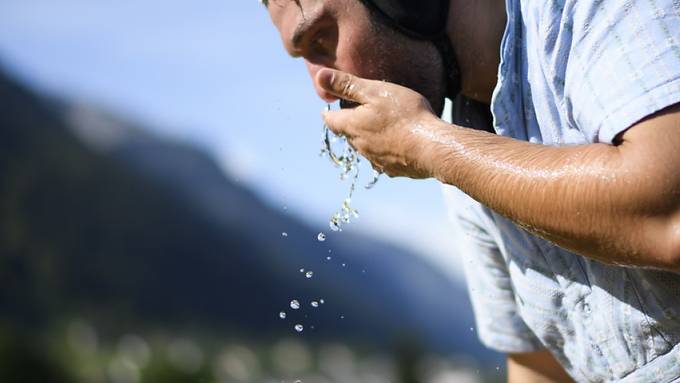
{"x": 675, "y": 250}
{"x": 672, "y": 248}
{"x": 662, "y": 245}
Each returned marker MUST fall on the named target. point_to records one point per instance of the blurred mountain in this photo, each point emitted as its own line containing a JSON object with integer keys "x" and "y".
{"x": 100, "y": 219}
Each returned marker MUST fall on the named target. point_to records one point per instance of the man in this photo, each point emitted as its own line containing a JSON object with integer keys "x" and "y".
{"x": 573, "y": 224}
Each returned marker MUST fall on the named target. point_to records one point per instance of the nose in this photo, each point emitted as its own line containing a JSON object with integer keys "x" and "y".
{"x": 313, "y": 70}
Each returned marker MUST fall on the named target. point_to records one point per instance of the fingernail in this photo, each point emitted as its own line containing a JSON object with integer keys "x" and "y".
{"x": 325, "y": 78}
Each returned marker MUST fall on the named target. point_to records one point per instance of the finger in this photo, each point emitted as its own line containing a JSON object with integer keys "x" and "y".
{"x": 339, "y": 121}
{"x": 347, "y": 86}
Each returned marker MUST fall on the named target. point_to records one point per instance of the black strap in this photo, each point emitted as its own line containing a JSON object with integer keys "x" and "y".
{"x": 443, "y": 44}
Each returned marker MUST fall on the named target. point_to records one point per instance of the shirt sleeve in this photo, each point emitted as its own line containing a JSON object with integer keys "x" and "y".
{"x": 499, "y": 325}
{"x": 623, "y": 63}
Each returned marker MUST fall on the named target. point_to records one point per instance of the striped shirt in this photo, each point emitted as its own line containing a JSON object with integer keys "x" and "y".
{"x": 576, "y": 72}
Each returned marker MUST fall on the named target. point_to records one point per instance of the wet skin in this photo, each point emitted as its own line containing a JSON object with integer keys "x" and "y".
{"x": 629, "y": 193}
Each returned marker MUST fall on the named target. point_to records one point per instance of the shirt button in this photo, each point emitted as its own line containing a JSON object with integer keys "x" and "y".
{"x": 586, "y": 309}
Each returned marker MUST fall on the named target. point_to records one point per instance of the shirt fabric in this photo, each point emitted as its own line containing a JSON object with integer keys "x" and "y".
{"x": 575, "y": 72}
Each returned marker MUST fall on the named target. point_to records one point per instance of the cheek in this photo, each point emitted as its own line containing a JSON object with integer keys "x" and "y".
{"x": 360, "y": 51}
{"x": 361, "y": 58}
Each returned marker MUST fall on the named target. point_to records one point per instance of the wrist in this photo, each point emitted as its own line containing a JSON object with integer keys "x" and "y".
{"x": 433, "y": 146}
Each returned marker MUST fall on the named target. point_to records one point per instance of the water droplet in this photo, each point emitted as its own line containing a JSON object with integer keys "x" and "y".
{"x": 282, "y": 315}
{"x": 344, "y": 264}
{"x": 299, "y": 327}
{"x": 284, "y": 234}
{"x": 472, "y": 329}
{"x": 309, "y": 274}
{"x": 328, "y": 258}
{"x": 342, "y": 317}
{"x": 334, "y": 224}
{"x": 321, "y": 237}
{"x": 315, "y": 304}
{"x": 294, "y": 304}
{"x": 376, "y": 177}
{"x": 302, "y": 270}
{"x": 322, "y": 301}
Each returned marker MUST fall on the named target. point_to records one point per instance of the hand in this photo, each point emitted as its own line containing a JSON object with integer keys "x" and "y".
{"x": 381, "y": 127}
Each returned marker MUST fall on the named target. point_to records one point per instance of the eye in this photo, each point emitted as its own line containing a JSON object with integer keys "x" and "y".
{"x": 322, "y": 47}
{"x": 319, "y": 44}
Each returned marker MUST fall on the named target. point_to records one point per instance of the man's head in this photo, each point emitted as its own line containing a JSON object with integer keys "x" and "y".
{"x": 347, "y": 35}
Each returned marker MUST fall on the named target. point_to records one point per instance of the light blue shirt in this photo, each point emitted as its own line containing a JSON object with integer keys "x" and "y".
{"x": 576, "y": 72}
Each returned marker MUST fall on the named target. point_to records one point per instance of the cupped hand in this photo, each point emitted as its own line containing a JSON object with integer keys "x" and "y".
{"x": 382, "y": 126}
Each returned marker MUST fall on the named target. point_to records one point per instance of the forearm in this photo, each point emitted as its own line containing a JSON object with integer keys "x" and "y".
{"x": 592, "y": 199}
{"x": 618, "y": 204}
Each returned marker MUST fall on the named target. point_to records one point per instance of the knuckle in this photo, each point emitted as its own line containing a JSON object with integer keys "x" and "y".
{"x": 346, "y": 84}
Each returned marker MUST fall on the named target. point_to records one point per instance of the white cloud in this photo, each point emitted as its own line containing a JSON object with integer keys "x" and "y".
{"x": 240, "y": 160}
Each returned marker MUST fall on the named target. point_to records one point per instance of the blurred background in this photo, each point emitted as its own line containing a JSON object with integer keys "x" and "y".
{"x": 161, "y": 193}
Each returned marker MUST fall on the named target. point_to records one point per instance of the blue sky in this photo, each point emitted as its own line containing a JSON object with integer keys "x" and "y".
{"x": 213, "y": 72}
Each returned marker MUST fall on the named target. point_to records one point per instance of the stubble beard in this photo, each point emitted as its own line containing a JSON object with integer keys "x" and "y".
{"x": 415, "y": 64}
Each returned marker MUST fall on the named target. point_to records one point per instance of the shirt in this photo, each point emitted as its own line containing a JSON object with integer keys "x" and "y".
{"x": 575, "y": 72}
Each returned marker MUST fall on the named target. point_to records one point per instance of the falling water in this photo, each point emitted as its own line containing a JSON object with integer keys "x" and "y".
{"x": 348, "y": 162}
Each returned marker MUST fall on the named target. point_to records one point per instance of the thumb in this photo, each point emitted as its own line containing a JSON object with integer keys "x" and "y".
{"x": 345, "y": 85}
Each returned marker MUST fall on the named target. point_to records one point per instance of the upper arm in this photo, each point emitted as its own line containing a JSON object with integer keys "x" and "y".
{"x": 650, "y": 153}
{"x": 535, "y": 367}
{"x": 623, "y": 64}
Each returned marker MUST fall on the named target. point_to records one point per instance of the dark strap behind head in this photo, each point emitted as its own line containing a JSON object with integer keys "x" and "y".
{"x": 424, "y": 20}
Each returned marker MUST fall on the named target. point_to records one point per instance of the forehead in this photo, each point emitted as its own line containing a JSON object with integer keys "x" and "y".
{"x": 288, "y": 13}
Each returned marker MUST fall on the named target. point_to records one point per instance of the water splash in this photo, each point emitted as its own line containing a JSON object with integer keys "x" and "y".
{"x": 348, "y": 162}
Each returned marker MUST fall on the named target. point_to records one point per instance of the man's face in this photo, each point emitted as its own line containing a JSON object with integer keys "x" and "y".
{"x": 341, "y": 34}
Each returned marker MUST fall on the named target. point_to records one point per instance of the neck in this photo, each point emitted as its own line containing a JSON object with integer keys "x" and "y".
{"x": 476, "y": 29}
